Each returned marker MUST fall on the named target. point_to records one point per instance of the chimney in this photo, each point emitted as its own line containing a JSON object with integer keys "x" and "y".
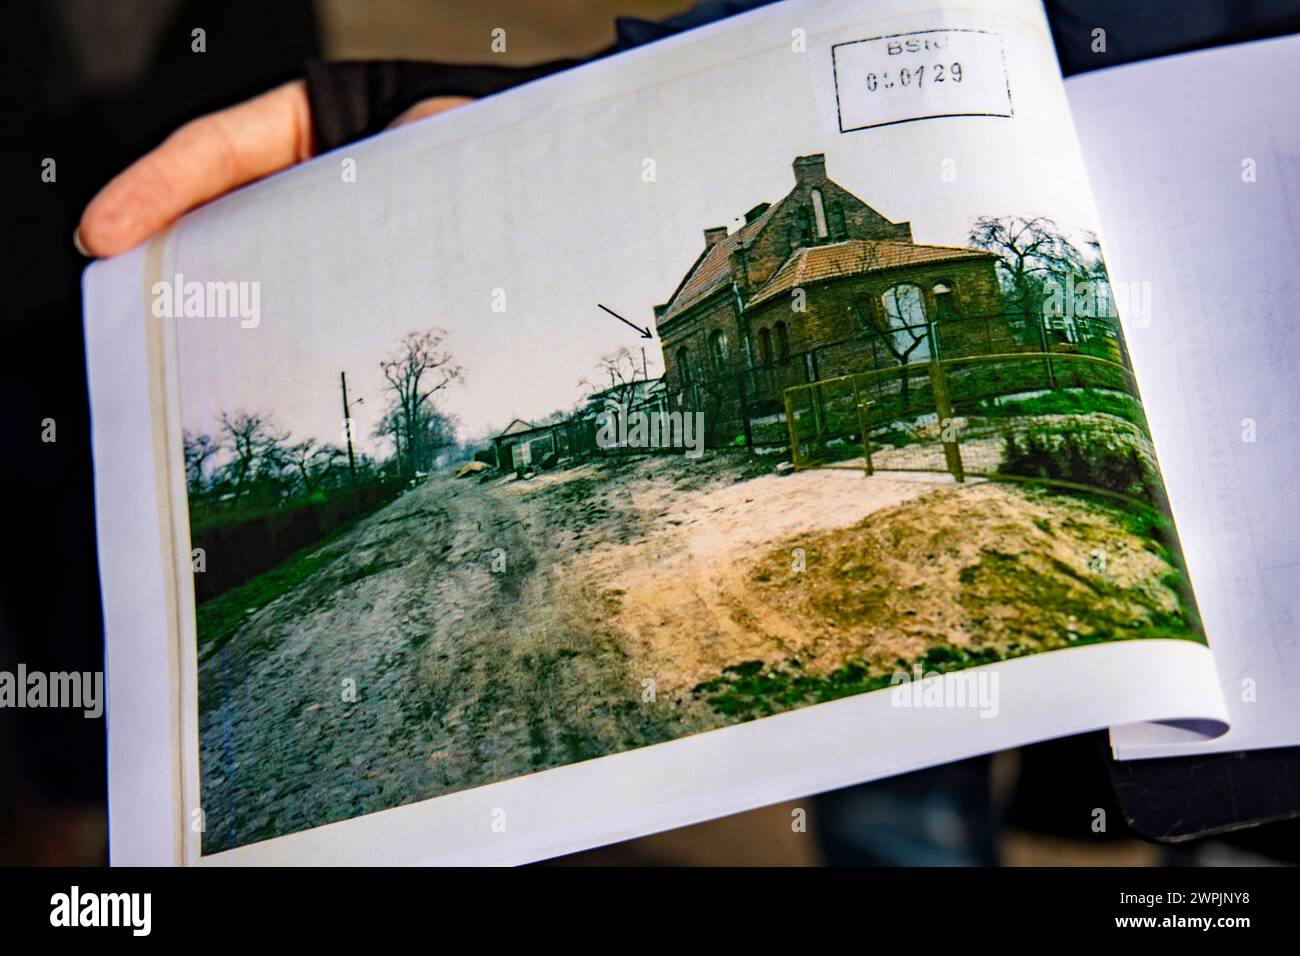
{"x": 810, "y": 169}
{"x": 757, "y": 211}
{"x": 714, "y": 235}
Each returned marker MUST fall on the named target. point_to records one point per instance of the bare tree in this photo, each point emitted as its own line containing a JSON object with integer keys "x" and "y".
{"x": 1030, "y": 250}
{"x": 390, "y": 426}
{"x": 434, "y": 431}
{"x": 200, "y": 448}
{"x": 624, "y": 377}
{"x": 1038, "y": 264}
{"x": 419, "y": 442}
{"x": 618, "y": 377}
{"x": 257, "y": 449}
{"x": 421, "y": 367}
{"x": 313, "y": 461}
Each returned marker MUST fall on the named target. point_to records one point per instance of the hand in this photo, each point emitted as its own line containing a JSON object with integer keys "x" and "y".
{"x": 206, "y": 158}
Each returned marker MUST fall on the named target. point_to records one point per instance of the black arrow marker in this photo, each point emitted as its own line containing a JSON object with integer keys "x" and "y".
{"x": 645, "y": 333}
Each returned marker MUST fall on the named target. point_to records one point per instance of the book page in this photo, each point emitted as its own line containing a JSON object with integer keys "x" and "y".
{"x": 1195, "y": 161}
{"x": 728, "y": 421}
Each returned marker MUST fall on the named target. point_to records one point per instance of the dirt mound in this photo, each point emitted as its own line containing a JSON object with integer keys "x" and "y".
{"x": 988, "y": 567}
{"x": 680, "y": 593}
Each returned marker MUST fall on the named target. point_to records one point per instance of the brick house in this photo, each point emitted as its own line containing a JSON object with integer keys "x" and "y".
{"x": 816, "y": 285}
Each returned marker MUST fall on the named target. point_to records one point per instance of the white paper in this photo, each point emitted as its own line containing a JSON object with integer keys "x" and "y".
{"x": 338, "y": 260}
{"x": 1195, "y": 165}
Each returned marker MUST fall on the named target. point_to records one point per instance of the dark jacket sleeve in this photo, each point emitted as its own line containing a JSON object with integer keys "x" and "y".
{"x": 350, "y": 100}
{"x": 353, "y": 99}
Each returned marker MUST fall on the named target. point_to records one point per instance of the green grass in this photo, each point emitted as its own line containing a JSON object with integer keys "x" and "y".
{"x": 1068, "y": 452}
{"x": 750, "y": 690}
{"x": 974, "y": 381}
{"x": 838, "y": 422}
{"x": 219, "y": 618}
{"x": 893, "y": 437}
{"x": 1156, "y": 527}
{"x": 1066, "y": 402}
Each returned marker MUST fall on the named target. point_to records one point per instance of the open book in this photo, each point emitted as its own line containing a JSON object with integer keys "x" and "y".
{"x": 734, "y": 419}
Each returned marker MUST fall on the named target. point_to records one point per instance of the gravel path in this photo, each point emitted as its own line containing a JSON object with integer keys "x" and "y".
{"x": 463, "y": 675}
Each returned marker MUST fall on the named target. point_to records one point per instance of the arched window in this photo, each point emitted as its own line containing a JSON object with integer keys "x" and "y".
{"x": 838, "y": 229}
{"x": 782, "y": 343}
{"x": 944, "y": 308}
{"x": 718, "y": 349}
{"x": 764, "y": 347}
{"x": 909, "y": 337}
{"x": 805, "y": 225}
{"x": 819, "y": 214}
{"x": 862, "y": 315}
{"x": 684, "y": 366}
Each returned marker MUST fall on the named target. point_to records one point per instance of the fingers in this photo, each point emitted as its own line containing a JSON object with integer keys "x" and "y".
{"x": 430, "y": 107}
{"x": 206, "y": 158}
{"x": 200, "y": 161}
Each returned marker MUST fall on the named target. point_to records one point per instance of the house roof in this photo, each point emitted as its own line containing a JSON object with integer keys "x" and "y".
{"x": 516, "y": 427}
{"x": 835, "y": 260}
{"x": 712, "y": 271}
{"x": 636, "y": 390}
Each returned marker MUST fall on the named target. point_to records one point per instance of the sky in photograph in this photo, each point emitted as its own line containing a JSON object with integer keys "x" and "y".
{"x": 540, "y": 194}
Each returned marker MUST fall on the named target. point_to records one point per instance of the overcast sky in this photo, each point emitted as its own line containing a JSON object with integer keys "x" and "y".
{"x": 540, "y": 194}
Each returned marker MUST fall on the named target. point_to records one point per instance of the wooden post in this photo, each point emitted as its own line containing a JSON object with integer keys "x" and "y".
{"x": 951, "y": 449}
{"x": 794, "y": 433}
{"x": 743, "y": 396}
{"x": 1047, "y": 352}
{"x": 868, "y": 470}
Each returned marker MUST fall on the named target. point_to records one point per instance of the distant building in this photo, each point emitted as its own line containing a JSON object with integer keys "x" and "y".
{"x": 816, "y": 285}
{"x": 644, "y": 395}
{"x": 523, "y": 443}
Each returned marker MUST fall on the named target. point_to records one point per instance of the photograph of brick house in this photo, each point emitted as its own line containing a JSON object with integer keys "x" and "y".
{"x": 908, "y": 417}
{"x": 915, "y": 455}
{"x": 817, "y": 285}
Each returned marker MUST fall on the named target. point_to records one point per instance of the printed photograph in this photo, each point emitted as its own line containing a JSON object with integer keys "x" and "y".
{"x": 845, "y": 445}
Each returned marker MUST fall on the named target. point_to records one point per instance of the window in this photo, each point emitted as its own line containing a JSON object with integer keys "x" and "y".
{"x": 862, "y": 314}
{"x": 805, "y": 225}
{"x": 819, "y": 214}
{"x": 838, "y": 229}
{"x": 909, "y": 337}
{"x": 718, "y": 349}
{"x": 764, "y": 347}
{"x": 943, "y": 305}
{"x": 684, "y": 366}
{"x": 782, "y": 343}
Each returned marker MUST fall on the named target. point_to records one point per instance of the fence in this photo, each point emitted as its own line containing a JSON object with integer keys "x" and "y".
{"x": 1067, "y": 419}
{"x": 747, "y": 406}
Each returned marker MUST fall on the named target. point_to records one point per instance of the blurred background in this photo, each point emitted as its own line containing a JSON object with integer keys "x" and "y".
{"x": 95, "y": 84}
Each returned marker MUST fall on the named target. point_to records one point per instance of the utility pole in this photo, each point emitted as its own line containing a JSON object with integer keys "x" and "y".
{"x": 347, "y": 427}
